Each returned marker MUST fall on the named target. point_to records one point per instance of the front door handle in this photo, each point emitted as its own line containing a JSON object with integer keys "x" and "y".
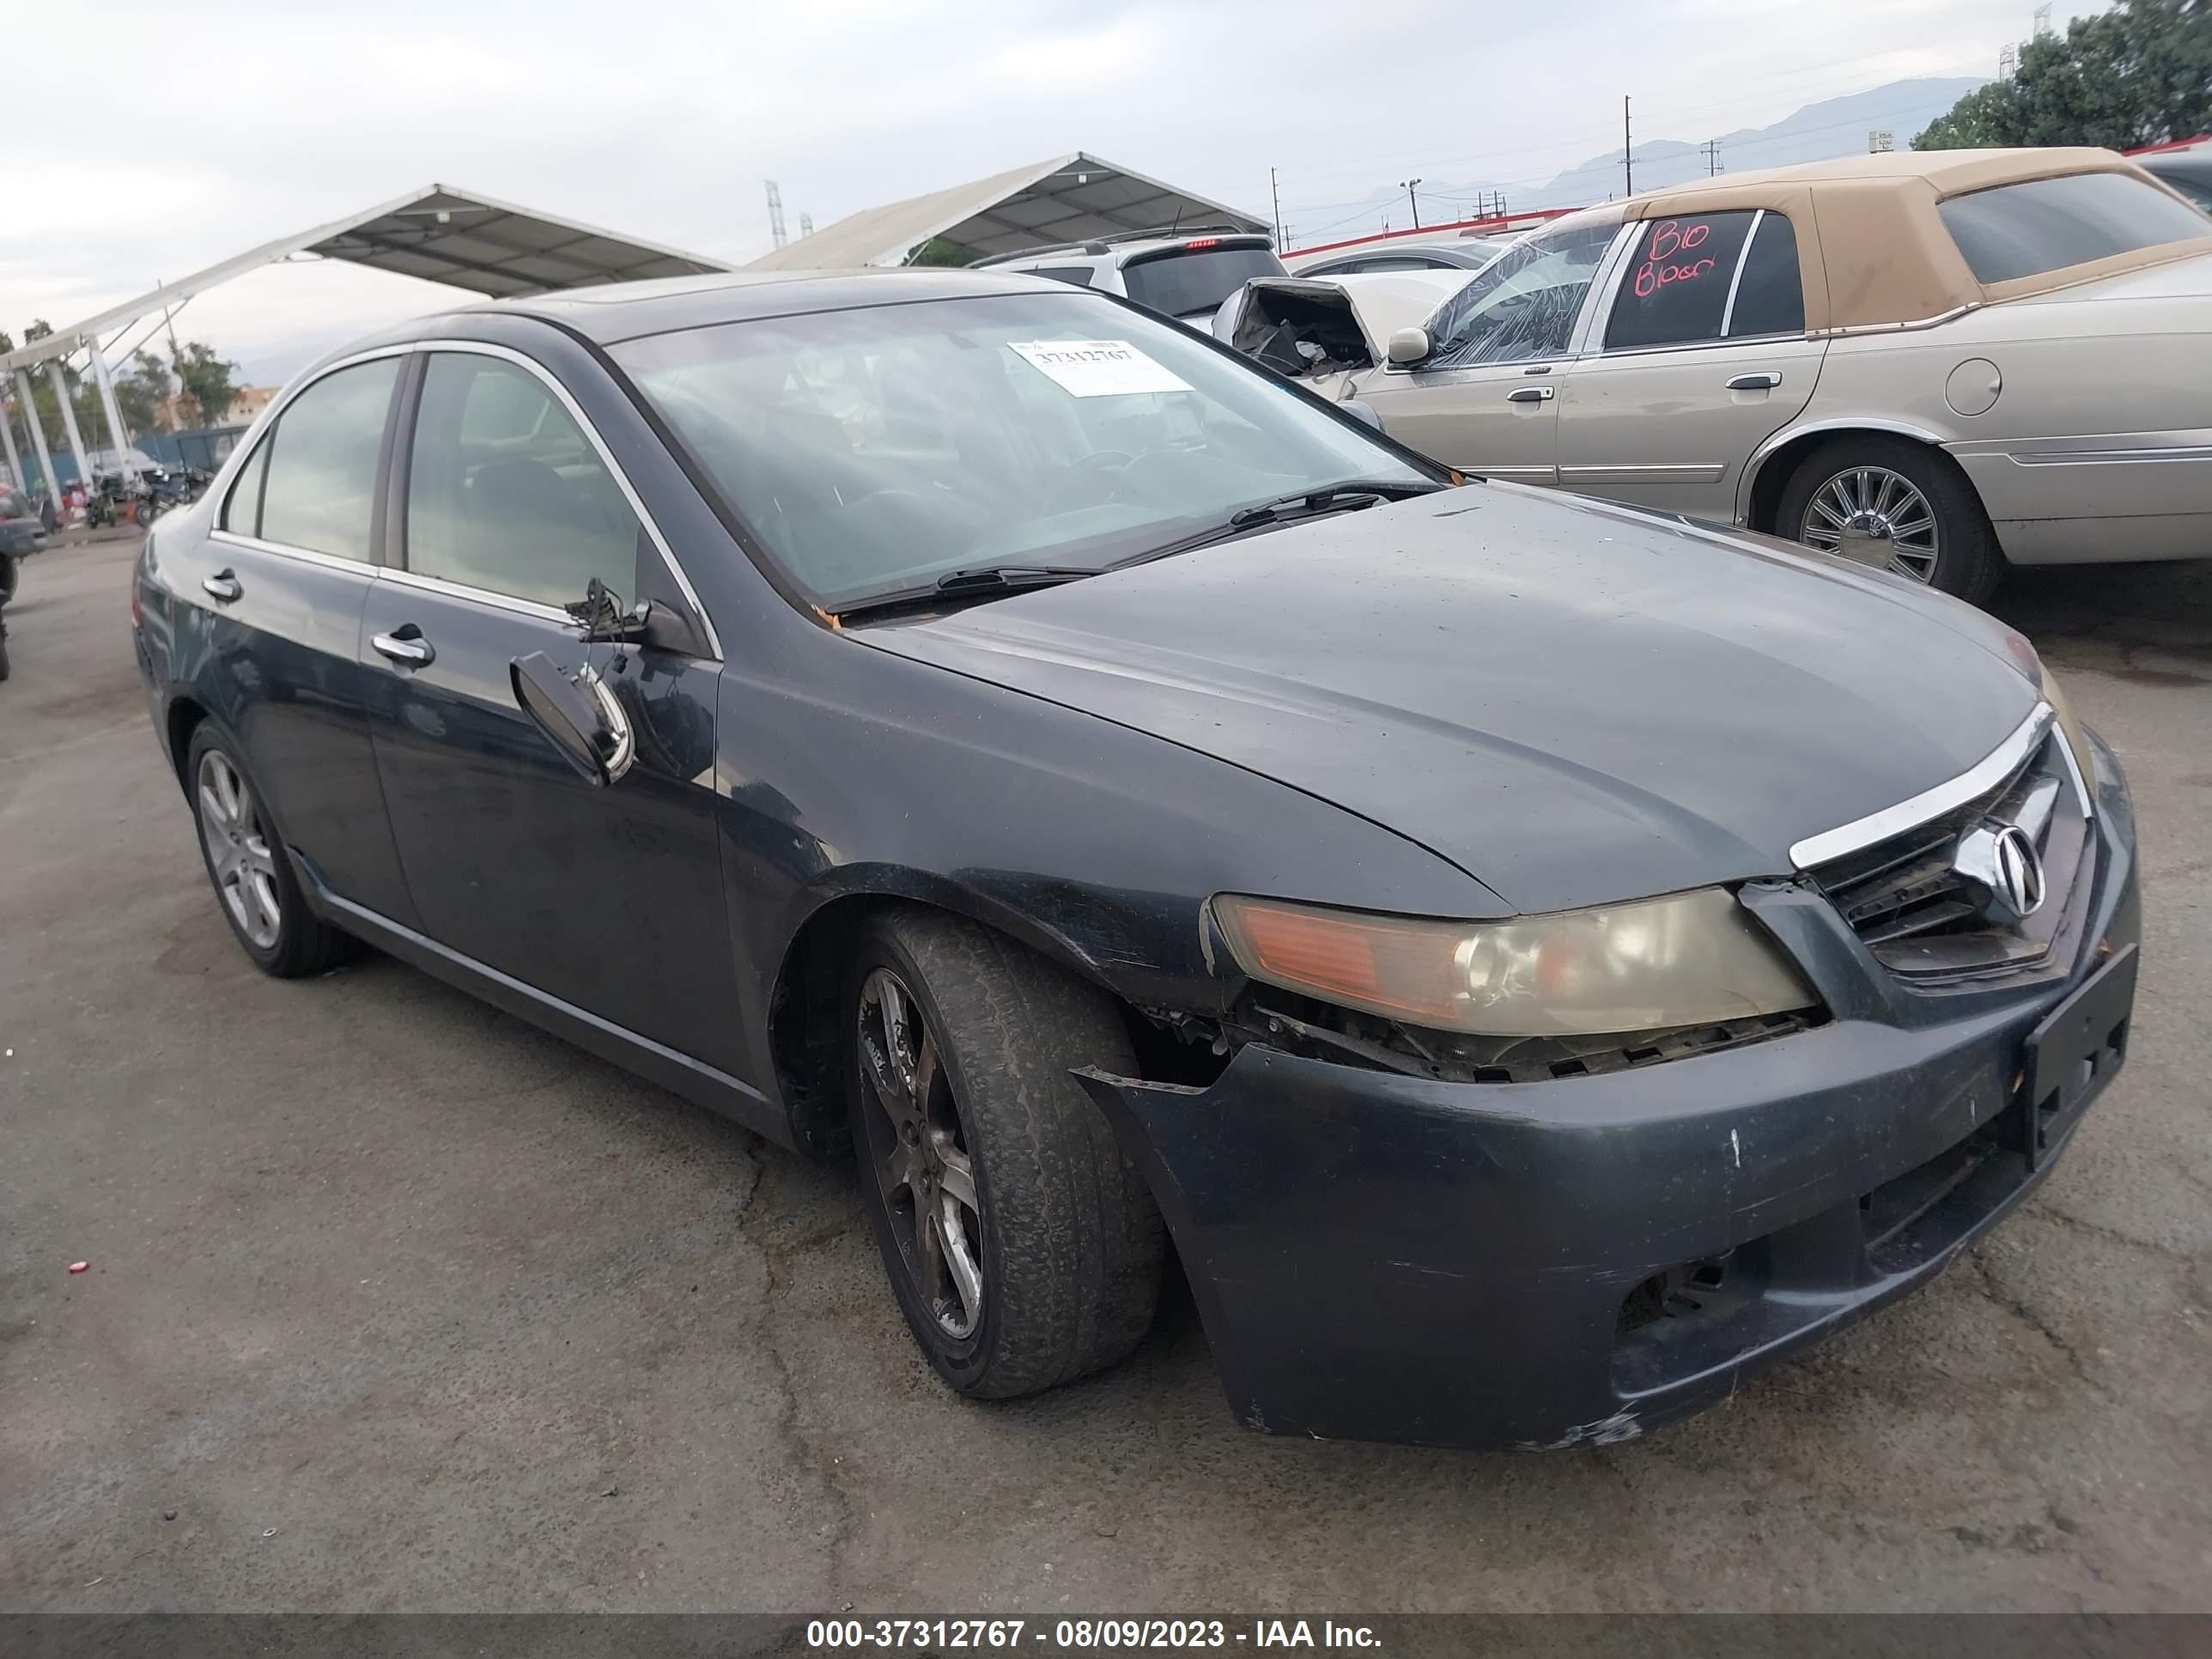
{"x": 404, "y": 644}
{"x": 1765, "y": 381}
{"x": 222, "y": 588}
{"x": 1530, "y": 394}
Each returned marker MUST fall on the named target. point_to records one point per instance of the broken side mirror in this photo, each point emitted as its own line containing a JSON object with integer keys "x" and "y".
{"x": 1408, "y": 346}
{"x": 578, "y": 714}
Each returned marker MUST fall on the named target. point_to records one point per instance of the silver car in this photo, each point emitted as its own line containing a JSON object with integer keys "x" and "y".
{"x": 1938, "y": 363}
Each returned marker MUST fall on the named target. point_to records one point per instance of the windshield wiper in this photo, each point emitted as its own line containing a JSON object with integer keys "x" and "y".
{"x": 983, "y": 582}
{"x": 1351, "y": 494}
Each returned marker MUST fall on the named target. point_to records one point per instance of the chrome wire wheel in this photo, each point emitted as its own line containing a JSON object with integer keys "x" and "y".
{"x": 238, "y": 850}
{"x": 1876, "y": 517}
{"x": 918, "y": 1153}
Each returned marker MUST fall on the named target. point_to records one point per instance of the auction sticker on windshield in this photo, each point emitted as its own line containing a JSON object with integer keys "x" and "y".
{"x": 1097, "y": 369}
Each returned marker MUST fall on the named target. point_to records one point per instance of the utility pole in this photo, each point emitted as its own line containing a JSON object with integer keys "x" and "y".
{"x": 805, "y": 224}
{"x": 1275, "y": 196}
{"x": 1406, "y": 185}
{"x": 1712, "y": 156}
{"x": 1627, "y": 163}
{"x": 774, "y": 213}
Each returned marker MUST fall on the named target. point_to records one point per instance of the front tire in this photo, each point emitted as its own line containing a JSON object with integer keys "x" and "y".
{"x": 1021, "y": 1243}
{"x": 1895, "y": 504}
{"x": 255, "y": 885}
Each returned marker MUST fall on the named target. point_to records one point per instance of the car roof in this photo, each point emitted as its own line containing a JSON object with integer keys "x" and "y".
{"x": 1885, "y": 259}
{"x": 616, "y": 312}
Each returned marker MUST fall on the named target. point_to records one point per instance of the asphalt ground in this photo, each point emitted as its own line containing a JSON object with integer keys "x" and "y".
{"x": 396, "y": 1303}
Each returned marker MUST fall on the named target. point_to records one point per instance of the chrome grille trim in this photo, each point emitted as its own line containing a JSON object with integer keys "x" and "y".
{"x": 1993, "y": 769}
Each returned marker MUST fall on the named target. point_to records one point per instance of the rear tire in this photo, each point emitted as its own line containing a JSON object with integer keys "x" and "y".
{"x": 255, "y": 885}
{"x": 956, "y": 1073}
{"x": 1866, "y": 493}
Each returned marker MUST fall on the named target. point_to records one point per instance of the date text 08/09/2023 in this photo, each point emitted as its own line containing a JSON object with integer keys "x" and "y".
{"x": 1086, "y": 1635}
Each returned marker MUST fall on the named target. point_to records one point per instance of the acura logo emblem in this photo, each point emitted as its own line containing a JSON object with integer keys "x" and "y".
{"x": 2001, "y": 860}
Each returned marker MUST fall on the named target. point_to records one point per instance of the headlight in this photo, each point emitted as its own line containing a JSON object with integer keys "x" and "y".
{"x": 1682, "y": 960}
{"x": 2069, "y": 724}
{"x": 2077, "y": 739}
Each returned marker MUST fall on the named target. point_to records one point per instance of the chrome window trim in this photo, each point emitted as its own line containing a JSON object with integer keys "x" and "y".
{"x": 305, "y": 554}
{"x": 1851, "y": 330}
{"x": 1736, "y": 277}
{"x": 509, "y": 353}
{"x": 1992, "y": 770}
{"x": 484, "y": 596}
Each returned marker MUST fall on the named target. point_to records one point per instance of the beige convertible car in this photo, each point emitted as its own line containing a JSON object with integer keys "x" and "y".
{"x": 1937, "y": 362}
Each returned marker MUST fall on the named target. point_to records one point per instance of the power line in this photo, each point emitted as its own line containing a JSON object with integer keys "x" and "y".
{"x": 1857, "y": 121}
{"x": 1594, "y": 132}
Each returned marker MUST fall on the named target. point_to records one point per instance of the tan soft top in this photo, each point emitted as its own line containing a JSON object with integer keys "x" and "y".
{"x": 1872, "y": 249}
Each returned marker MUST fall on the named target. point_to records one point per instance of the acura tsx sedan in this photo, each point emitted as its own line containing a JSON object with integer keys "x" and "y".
{"x": 1535, "y": 961}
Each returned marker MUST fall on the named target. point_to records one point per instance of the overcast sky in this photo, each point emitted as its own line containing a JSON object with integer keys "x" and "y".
{"x": 226, "y": 123}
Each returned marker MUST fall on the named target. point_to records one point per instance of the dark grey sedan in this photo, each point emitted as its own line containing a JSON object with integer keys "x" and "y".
{"x": 1535, "y": 960}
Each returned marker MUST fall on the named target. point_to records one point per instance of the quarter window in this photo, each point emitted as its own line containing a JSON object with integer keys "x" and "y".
{"x": 321, "y": 485}
{"x": 2038, "y": 225}
{"x": 241, "y": 511}
{"x": 506, "y": 493}
{"x": 1675, "y": 289}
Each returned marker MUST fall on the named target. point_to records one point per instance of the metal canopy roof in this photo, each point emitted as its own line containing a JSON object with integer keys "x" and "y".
{"x": 1069, "y": 199}
{"x": 437, "y": 232}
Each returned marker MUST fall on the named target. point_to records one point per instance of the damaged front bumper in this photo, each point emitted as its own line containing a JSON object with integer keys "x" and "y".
{"x": 1543, "y": 1265}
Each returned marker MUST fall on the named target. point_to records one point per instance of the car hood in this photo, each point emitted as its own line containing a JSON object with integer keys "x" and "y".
{"x": 1574, "y": 703}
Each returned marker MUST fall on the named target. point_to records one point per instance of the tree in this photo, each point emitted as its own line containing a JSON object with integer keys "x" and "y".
{"x": 207, "y": 380}
{"x": 142, "y": 393}
{"x": 2139, "y": 74}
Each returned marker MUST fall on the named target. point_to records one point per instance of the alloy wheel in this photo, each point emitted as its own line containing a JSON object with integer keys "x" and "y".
{"x": 1876, "y": 517}
{"x": 918, "y": 1153}
{"x": 238, "y": 850}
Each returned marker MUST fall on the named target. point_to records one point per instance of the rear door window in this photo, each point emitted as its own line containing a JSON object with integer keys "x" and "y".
{"x": 322, "y": 455}
{"x": 1675, "y": 290}
{"x": 2039, "y": 225}
{"x": 505, "y": 493}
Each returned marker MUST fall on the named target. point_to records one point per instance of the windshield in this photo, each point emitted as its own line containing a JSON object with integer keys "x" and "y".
{"x": 1524, "y": 302}
{"x": 869, "y": 450}
{"x": 1178, "y": 285}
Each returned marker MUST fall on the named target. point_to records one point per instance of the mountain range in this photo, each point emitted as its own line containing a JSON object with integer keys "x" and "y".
{"x": 1831, "y": 127}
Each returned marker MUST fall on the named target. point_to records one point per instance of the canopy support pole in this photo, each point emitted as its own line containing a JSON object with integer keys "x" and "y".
{"x": 46, "y": 473}
{"x": 15, "y": 462}
{"x": 116, "y": 435}
{"x": 82, "y": 456}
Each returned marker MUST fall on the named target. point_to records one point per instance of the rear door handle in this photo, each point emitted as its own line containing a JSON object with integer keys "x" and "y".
{"x": 404, "y": 644}
{"x": 1762, "y": 382}
{"x": 222, "y": 588}
{"x": 1530, "y": 394}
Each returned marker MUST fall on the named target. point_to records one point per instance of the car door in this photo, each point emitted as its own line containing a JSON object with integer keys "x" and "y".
{"x": 1485, "y": 398}
{"x": 506, "y": 504}
{"x": 270, "y": 643}
{"x": 1703, "y": 356}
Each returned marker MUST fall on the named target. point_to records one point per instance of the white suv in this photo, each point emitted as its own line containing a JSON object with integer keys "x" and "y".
{"x": 1184, "y": 275}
